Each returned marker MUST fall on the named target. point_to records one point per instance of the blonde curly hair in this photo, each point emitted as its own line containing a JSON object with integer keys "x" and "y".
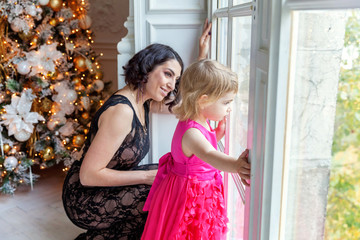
{"x": 205, "y": 77}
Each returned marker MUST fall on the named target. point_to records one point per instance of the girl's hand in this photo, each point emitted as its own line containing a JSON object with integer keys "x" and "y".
{"x": 244, "y": 167}
{"x": 204, "y": 42}
{"x": 220, "y": 130}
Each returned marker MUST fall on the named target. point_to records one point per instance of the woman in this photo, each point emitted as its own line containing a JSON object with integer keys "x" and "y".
{"x": 105, "y": 191}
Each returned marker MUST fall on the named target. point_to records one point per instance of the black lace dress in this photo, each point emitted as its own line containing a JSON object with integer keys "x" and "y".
{"x": 111, "y": 212}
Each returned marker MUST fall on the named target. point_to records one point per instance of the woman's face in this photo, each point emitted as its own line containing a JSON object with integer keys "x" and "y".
{"x": 162, "y": 80}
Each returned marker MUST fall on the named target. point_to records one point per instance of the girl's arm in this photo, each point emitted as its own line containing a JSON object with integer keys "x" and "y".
{"x": 114, "y": 126}
{"x": 194, "y": 142}
{"x": 220, "y": 129}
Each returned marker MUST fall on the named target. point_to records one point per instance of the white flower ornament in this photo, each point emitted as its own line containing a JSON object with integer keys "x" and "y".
{"x": 43, "y": 60}
{"x": 18, "y": 119}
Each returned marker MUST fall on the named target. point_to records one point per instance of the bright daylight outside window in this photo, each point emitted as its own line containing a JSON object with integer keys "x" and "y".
{"x": 323, "y": 122}
{"x": 240, "y": 63}
{"x": 221, "y": 47}
{"x": 237, "y": 132}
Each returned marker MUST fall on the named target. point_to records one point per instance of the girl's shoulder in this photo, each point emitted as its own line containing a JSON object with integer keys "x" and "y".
{"x": 187, "y": 124}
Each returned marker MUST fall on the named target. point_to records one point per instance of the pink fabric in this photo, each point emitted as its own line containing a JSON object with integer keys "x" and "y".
{"x": 164, "y": 164}
{"x": 186, "y": 200}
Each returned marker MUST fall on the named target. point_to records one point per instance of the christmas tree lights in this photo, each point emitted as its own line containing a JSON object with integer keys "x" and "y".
{"x": 50, "y": 85}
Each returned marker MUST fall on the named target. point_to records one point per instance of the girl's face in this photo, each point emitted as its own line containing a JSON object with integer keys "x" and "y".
{"x": 218, "y": 109}
{"x": 162, "y": 80}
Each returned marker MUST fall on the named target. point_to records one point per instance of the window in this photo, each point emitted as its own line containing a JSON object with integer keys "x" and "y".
{"x": 324, "y": 64}
{"x": 298, "y": 111}
{"x": 233, "y": 40}
{"x": 240, "y": 63}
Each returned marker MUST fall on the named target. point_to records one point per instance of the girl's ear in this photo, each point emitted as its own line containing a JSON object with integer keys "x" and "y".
{"x": 203, "y": 100}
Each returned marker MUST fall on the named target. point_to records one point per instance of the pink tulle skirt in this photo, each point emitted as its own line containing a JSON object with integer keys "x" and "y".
{"x": 187, "y": 208}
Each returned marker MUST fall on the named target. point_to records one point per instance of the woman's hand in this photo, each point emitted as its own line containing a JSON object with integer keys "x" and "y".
{"x": 204, "y": 42}
{"x": 220, "y": 130}
{"x": 244, "y": 167}
{"x": 150, "y": 176}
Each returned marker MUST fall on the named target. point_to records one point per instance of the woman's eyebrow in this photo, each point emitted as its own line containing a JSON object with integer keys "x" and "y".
{"x": 173, "y": 73}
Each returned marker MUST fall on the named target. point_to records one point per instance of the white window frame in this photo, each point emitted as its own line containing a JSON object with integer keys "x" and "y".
{"x": 246, "y": 9}
{"x": 273, "y": 20}
{"x": 229, "y": 12}
{"x": 273, "y": 192}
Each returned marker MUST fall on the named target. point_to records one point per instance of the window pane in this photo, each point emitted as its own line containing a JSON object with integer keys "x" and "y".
{"x": 240, "y": 63}
{"x": 322, "y": 136}
{"x": 223, "y": 3}
{"x": 237, "y": 2}
{"x": 222, "y": 25}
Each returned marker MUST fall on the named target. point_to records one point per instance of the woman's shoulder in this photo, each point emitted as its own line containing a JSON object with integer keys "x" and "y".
{"x": 122, "y": 112}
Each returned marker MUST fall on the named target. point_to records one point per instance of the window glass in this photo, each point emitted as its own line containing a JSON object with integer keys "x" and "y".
{"x": 223, "y": 3}
{"x": 222, "y": 31}
{"x": 323, "y": 122}
{"x": 237, "y": 2}
{"x": 240, "y": 63}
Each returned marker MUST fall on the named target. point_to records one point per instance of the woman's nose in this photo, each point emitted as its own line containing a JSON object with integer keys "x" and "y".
{"x": 171, "y": 85}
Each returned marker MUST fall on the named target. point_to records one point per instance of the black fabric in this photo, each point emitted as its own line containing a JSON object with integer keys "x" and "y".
{"x": 111, "y": 212}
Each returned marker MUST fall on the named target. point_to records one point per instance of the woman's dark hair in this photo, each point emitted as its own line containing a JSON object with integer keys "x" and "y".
{"x": 142, "y": 63}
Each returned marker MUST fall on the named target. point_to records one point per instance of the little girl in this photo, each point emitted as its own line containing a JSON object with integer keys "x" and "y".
{"x": 186, "y": 200}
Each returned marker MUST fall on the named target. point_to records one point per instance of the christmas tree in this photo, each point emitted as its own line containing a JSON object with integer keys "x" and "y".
{"x": 50, "y": 85}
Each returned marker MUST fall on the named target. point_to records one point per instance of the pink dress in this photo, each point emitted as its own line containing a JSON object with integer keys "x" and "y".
{"x": 186, "y": 200}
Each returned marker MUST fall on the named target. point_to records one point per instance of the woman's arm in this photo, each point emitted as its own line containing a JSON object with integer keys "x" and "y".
{"x": 114, "y": 126}
{"x": 194, "y": 142}
{"x": 204, "y": 41}
{"x": 204, "y": 45}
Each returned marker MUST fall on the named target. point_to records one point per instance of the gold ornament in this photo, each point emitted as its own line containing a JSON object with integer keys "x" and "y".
{"x": 78, "y": 140}
{"x": 80, "y": 63}
{"x": 46, "y": 105}
{"x": 53, "y": 22}
{"x": 26, "y": 36}
{"x": 7, "y": 148}
{"x": 73, "y": 5}
{"x": 85, "y": 115}
{"x": 48, "y": 153}
{"x": 84, "y": 22}
{"x": 76, "y": 81}
{"x": 56, "y": 5}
